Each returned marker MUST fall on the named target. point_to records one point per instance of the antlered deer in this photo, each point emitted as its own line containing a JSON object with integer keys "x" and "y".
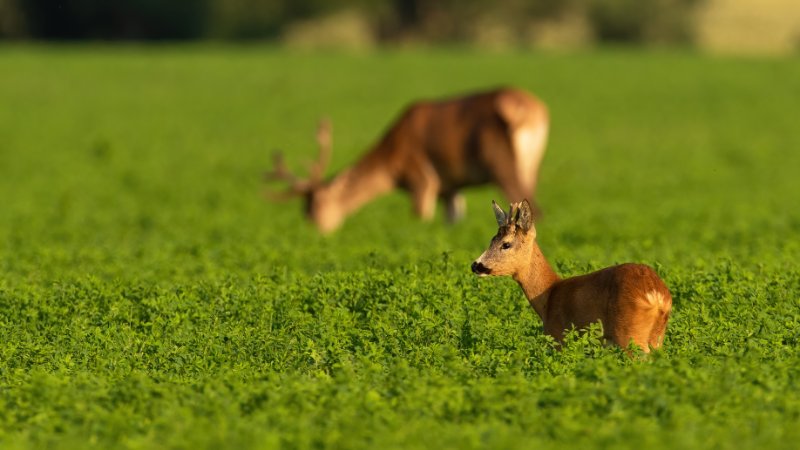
{"x": 433, "y": 150}
{"x": 630, "y": 300}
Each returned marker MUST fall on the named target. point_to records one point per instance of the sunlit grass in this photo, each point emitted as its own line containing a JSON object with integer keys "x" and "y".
{"x": 150, "y": 297}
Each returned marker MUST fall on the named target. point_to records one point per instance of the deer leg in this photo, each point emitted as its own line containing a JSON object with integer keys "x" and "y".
{"x": 503, "y": 168}
{"x": 456, "y": 206}
{"x": 506, "y": 178}
{"x": 657, "y": 333}
{"x": 502, "y": 164}
{"x": 424, "y": 183}
{"x": 425, "y": 201}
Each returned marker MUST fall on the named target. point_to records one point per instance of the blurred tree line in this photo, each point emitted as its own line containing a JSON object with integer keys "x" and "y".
{"x": 387, "y": 20}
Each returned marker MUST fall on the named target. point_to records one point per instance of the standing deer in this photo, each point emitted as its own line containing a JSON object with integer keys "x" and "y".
{"x": 629, "y": 300}
{"x": 433, "y": 150}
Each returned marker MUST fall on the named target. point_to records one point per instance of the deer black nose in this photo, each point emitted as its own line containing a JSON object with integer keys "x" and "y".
{"x": 480, "y": 269}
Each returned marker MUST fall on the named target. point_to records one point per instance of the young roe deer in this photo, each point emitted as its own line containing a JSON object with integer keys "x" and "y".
{"x": 630, "y": 301}
{"x": 433, "y": 150}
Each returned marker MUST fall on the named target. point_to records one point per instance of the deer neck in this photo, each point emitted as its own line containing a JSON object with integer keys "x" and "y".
{"x": 536, "y": 279}
{"x": 357, "y": 185}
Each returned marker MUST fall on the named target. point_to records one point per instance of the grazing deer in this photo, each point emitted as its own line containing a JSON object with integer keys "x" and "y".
{"x": 433, "y": 150}
{"x": 629, "y": 300}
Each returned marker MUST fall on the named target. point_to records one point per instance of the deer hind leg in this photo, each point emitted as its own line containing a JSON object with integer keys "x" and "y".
{"x": 528, "y": 141}
{"x": 661, "y": 306}
{"x": 649, "y": 321}
{"x": 657, "y": 333}
{"x": 423, "y": 182}
{"x": 513, "y": 189}
{"x": 625, "y": 333}
{"x": 633, "y": 324}
{"x": 456, "y": 206}
{"x": 501, "y": 159}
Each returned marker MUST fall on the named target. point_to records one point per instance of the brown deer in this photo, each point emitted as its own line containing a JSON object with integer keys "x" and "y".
{"x": 433, "y": 150}
{"x": 629, "y": 300}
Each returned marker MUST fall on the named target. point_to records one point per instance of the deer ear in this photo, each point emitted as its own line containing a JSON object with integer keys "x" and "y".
{"x": 499, "y": 215}
{"x": 524, "y": 216}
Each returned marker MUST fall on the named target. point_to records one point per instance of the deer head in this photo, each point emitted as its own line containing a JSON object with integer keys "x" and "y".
{"x": 510, "y": 249}
{"x": 311, "y": 188}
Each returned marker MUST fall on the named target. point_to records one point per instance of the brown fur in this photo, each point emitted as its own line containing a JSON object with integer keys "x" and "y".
{"x": 630, "y": 300}
{"x": 435, "y": 149}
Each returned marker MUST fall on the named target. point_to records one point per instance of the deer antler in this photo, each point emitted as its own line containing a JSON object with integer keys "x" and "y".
{"x": 280, "y": 172}
{"x": 298, "y": 186}
{"x": 324, "y": 140}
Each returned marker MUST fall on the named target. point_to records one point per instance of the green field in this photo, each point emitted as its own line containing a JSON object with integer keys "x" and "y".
{"x": 151, "y": 297}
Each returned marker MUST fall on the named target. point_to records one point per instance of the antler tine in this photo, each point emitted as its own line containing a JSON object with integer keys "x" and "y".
{"x": 280, "y": 172}
{"x": 324, "y": 141}
{"x": 298, "y": 186}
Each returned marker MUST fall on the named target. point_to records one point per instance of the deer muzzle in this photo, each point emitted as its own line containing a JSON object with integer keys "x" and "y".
{"x": 479, "y": 269}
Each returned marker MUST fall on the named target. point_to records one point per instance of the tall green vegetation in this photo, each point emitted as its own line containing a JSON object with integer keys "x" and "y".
{"x": 151, "y": 298}
{"x": 389, "y": 20}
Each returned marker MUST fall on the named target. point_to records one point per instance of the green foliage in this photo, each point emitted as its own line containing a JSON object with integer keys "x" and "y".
{"x": 150, "y": 297}
{"x": 665, "y": 21}
{"x": 669, "y": 21}
{"x": 120, "y": 19}
{"x": 247, "y": 19}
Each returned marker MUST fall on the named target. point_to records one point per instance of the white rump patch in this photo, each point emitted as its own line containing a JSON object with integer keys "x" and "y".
{"x": 654, "y": 298}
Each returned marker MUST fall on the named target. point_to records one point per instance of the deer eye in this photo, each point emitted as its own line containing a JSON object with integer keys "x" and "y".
{"x": 506, "y": 245}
